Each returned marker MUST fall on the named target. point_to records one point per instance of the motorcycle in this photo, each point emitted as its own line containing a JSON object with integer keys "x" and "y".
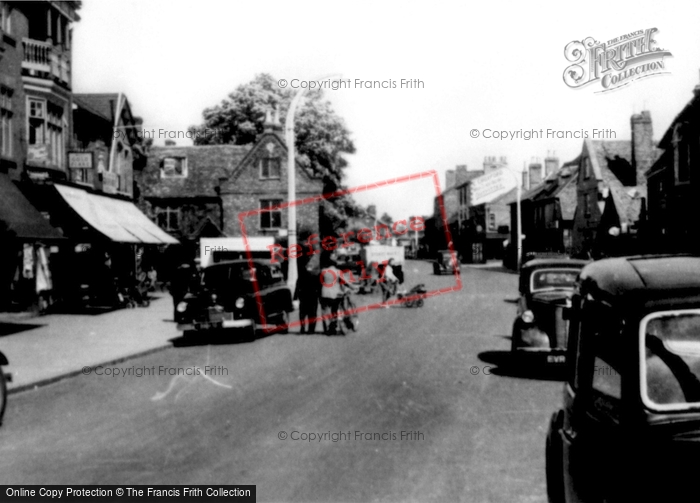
{"x": 4, "y": 378}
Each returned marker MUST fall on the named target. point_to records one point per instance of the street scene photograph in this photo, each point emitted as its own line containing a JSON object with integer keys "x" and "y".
{"x": 330, "y": 252}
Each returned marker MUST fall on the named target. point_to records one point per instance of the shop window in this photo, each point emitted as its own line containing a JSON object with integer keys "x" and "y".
{"x": 270, "y": 219}
{"x": 270, "y": 167}
{"x": 173, "y": 167}
{"x": 6, "y": 121}
{"x": 168, "y": 218}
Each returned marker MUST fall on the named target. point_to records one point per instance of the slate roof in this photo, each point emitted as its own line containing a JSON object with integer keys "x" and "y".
{"x": 206, "y": 165}
{"x": 100, "y": 104}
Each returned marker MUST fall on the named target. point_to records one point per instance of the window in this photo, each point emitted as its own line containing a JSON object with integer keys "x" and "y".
{"x": 46, "y": 124}
{"x": 492, "y": 221}
{"x": 271, "y": 219}
{"x": 5, "y": 20}
{"x": 586, "y": 205}
{"x": 168, "y": 218}
{"x": 586, "y": 168}
{"x": 6, "y": 121}
{"x": 270, "y": 167}
{"x": 681, "y": 153}
{"x": 173, "y": 167}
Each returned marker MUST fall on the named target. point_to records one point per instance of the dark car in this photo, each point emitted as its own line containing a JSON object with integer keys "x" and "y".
{"x": 546, "y": 288}
{"x": 446, "y": 263}
{"x": 629, "y": 429}
{"x": 227, "y": 297}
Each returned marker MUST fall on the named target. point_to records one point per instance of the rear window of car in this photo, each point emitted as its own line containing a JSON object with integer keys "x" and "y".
{"x": 670, "y": 366}
{"x": 548, "y": 279}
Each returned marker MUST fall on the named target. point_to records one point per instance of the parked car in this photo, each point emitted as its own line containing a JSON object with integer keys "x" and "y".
{"x": 546, "y": 287}
{"x": 629, "y": 428}
{"x": 228, "y": 295}
{"x": 3, "y": 386}
{"x": 446, "y": 263}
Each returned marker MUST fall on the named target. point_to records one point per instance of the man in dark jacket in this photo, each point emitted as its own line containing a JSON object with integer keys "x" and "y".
{"x": 307, "y": 292}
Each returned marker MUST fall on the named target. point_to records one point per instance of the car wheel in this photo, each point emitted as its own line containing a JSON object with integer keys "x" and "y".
{"x": 553, "y": 463}
{"x": 3, "y": 395}
{"x": 419, "y": 303}
{"x": 283, "y": 325}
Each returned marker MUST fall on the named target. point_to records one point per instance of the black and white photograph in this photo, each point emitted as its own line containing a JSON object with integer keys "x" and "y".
{"x": 383, "y": 251}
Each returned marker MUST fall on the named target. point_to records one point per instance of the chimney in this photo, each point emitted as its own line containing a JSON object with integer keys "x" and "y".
{"x": 450, "y": 178}
{"x": 461, "y": 174}
{"x": 642, "y": 144}
{"x": 551, "y": 165}
{"x": 535, "y": 170}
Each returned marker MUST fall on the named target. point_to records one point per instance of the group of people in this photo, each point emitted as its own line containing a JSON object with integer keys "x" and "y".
{"x": 328, "y": 288}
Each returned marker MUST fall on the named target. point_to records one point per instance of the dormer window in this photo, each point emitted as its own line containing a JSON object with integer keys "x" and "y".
{"x": 270, "y": 168}
{"x": 173, "y": 167}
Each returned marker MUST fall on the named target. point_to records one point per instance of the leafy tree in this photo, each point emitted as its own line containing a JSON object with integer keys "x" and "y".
{"x": 321, "y": 135}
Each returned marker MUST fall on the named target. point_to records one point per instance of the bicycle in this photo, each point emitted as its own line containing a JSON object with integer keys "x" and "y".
{"x": 348, "y": 319}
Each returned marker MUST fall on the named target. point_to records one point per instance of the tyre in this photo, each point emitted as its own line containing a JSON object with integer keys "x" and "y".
{"x": 3, "y": 395}
{"x": 553, "y": 464}
{"x": 283, "y": 325}
{"x": 419, "y": 303}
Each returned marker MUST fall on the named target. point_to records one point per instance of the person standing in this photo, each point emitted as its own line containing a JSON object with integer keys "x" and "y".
{"x": 307, "y": 292}
{"x": 331, "y": 295}
{"x": 180, "y": 284}
{"x": 388, "y": 282}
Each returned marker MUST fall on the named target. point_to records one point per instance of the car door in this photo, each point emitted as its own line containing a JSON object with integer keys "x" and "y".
{"x": 591, "y": 426}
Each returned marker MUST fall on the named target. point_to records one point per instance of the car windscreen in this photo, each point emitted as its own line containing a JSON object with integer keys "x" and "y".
{"x": 670, "y": 363}
{"x": 220, "y": 277}
{"x": 549, "y": 279}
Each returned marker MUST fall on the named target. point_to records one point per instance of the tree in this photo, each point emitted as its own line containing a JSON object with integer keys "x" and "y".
{"x": 321, "y": 135}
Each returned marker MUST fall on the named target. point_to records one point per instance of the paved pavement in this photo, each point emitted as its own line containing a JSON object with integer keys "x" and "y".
{"x": 44, "y": 349}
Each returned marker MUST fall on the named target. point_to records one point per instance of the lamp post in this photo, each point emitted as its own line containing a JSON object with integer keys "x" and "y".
{"x": 292, "y": 272}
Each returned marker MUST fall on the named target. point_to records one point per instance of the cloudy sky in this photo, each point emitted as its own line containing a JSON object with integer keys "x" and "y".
{"x": 495, "y": 65}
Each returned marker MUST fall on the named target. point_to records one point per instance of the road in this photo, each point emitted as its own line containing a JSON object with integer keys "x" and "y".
{"x": 471, "y": 431}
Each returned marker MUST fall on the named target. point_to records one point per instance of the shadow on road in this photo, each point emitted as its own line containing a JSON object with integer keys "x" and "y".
{"x": 15, "y": 328}
{"x": 525, "y": 366}
{"x": 205, "y": 339}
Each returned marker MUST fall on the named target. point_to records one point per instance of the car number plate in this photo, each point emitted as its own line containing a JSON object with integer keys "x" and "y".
{"x": 556, "y": 358}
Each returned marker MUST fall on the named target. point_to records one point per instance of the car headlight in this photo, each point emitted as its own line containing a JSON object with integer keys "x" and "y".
{"x": 528, "y": 316}
{"x": 240, "y": 302}
{"x": 182, "y": 307}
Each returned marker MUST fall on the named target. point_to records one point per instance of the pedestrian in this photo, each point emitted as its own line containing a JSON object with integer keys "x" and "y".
{"x": 180, "y": 284}
{"x": 331, "y": 294}
{"x": 307, "y": 292}
{"x": 388, "y": 282}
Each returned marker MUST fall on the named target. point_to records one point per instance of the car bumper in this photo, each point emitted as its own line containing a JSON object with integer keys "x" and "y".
{"x": 211, "y": 325}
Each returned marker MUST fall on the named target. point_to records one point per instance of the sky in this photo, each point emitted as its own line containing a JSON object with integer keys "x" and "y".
{"x": 484, "y": 66}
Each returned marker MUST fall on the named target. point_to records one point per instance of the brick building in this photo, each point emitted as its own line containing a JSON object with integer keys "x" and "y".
{"x": 612, "y": 191}
{"x": 674, "y": 183}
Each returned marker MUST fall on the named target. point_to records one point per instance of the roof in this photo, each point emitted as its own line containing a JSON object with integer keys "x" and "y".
{"x": 206, "y": 164}
{"x": 560, "y": 184}
{"x": 652, "y": 276}
{"x": 101, "y": 104}
{"x": 20, "y": 217}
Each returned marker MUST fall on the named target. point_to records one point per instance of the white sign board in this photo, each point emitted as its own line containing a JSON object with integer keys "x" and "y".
{"x": 488, "y": 187}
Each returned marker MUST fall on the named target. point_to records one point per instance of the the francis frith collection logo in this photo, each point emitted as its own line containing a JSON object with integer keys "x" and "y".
{"x": 615, "y": 63}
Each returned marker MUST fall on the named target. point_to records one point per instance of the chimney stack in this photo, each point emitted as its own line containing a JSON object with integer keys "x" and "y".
{"x": 551, "y": 165}
{"x": 450, "y": 178}
{"x": 642, "y": 144}
{"x": 461, "y": 174}
{"x": 535, "y": 170}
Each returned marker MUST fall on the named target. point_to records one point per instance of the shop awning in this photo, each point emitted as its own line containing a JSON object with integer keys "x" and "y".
{"x": 117, "y": 219}
{"x": 19, "y": 215}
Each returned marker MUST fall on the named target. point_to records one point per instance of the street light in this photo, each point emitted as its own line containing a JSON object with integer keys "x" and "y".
{"x": 292, "y": 272}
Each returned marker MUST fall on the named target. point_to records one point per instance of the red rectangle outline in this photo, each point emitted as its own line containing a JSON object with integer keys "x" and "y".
{"x": 360, "y": 188}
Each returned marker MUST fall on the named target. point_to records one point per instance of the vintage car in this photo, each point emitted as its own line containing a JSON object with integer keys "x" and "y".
{"x": 446, "y": 263}
{"x": 629, "y": 429}
{"x": 546, "y": 287}
{"x": 228, "y": 295}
